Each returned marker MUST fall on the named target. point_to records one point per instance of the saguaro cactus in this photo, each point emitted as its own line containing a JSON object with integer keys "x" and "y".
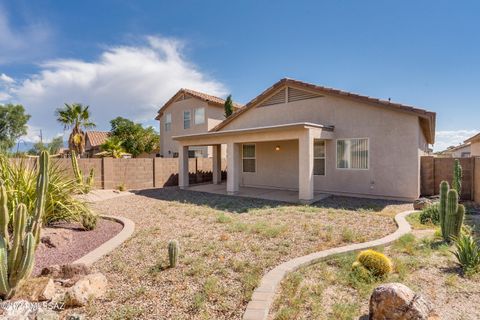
{"x": 442, "y": 208}
{"x": 457, "y": 177}
{"x": 454, "y": 216}
{"x": 17, "y": 256}
{"x": 173, "y": 253}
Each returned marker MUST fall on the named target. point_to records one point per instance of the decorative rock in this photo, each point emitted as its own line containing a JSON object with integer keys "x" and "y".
{"x": 45, "y": 314}
{"x": 66, "y": 271}
{"x": 76, "y": 316}
{"x": 395, "y": 301}
{"x": 16, "y": 310}
{"x": 56, "y": 237}
{"x": 421, "y": 203}
{"x": 36, "y": 289}
{"x": 91, "y": 286}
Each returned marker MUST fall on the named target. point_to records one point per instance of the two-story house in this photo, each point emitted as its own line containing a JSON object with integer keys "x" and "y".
{"x": 189, "y": 112}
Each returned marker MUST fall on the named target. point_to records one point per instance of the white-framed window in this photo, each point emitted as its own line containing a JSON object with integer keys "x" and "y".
{"x": 186, "y": 119}
{"x": 168, "y": 122}
{"x": 248, "y": 158}
{"x": 199, "y": 115}
{"x": 319, "y": 157}
{"x": 353, "y": 154}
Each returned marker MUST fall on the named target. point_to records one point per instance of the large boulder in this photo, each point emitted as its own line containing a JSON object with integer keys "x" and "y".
{"x": 421, "y": 203}
{"x": 91, "y": 286}
{"x": 395, "y": 301}
{"x": 36, "y": 289}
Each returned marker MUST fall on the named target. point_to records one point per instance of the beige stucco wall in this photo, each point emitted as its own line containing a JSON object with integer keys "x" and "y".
{"x": 475, "y": 149}
{"x": 213, "y": 116}
{"x": 394, "y": 137}
{"x": 275, "y": 169}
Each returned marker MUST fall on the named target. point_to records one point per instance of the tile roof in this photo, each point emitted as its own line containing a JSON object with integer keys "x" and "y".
{"x": 427, "y": 117}
{"x": 200, "y": 95}
{"x": 96, "y": 138}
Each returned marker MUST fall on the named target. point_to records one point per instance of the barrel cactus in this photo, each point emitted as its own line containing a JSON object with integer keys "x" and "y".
{"x": 377, "y": 263}
{"x": 173, "y": 249}
{"x": 17, "y": 251}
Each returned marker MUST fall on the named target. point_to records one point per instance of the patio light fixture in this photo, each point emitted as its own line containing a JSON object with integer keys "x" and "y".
{"x": 277, "y": 148}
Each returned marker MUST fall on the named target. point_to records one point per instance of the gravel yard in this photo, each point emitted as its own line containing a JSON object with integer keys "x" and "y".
{"x": 227, "y": 244}
{"x": 328, "y": 291}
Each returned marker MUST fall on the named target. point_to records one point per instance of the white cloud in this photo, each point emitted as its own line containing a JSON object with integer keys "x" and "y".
{"x": 445, "y": 139}
{"x": 27, "y": 42}
{"x": 129, "y": 81}
{"x": 6, "y": 79}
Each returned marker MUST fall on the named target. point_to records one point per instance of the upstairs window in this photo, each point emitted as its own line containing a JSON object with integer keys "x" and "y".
{"x": 319, "y": 157}
{"x": 168, "y": 122}
{"x": 199, "y": 115}
{"x": 186, "y": 119}
{"x": 248, "y": 158}
{"x": 352, "y": 154}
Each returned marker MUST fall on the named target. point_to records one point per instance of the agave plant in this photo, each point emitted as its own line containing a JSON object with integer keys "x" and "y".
{"x": 19, "y": 177}
{"x": 467, "y": 252}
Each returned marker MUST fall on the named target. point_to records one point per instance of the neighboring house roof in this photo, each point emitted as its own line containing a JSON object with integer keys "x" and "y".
{"x": 96, "y": 138}
{"x": 475, "y": 138}
{"x": 453, "y": 148}
{"x": 196, "y": 94}
{"x": 427, "y": 118}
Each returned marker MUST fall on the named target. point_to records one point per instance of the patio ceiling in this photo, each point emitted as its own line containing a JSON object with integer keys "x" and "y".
{"x": 268, "y": 133}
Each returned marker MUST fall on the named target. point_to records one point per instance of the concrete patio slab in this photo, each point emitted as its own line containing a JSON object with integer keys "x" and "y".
{"x": 289, "y": 196}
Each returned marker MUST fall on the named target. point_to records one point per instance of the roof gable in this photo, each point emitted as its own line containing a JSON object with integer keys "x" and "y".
{"x": 184, "y": 94}
{"x": 475, "y": 138}
{"x": 302, "y": 90}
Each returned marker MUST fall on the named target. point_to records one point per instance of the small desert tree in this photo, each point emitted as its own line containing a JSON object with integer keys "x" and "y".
{"x": 228, "y": 106}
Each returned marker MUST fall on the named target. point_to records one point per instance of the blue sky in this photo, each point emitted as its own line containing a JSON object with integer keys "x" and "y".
{"x": 128, "y": 57}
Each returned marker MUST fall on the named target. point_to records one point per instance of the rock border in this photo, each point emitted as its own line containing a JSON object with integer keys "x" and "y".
{"x": 262, "y": 298}
{"x": 108, "y": 246}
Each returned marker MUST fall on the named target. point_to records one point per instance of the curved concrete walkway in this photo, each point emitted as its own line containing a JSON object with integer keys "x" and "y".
{"x": 110, "y": 245}
{"x": 262, "y": 298}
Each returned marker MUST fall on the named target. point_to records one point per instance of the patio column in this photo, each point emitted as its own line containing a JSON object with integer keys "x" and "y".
{"x": 305, "y": 170}
{"x": 233, "y": 167}
{"x": 183, "y": 167}
{"x": 217, "y": 164}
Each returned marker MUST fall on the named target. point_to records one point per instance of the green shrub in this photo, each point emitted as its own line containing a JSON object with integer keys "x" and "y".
{"x": 430, "y": 214}
{"x": 467, "y": 252}
{"x": 19, "y": 178}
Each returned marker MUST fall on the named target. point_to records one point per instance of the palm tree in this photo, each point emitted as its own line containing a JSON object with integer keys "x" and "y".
{"x": 75, "y": 116}
{"x": 112, "y": 148}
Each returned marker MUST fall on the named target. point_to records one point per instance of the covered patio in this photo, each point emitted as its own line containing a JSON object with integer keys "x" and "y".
{"x": 293, "y": 181}
{"x": 289, "y": 196}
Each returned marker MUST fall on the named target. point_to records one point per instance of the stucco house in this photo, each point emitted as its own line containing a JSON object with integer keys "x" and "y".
{"x": 189, "y": 112}
{"x": 461, "y": 151}
{"x": 93, "y": 141}
{"x": 307, "y": 138}
{"x": 474, "y": 145}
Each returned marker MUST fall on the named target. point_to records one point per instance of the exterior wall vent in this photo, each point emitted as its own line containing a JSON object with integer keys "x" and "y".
{"x": 277, "y": 98}
{"x": 297, "y": 94}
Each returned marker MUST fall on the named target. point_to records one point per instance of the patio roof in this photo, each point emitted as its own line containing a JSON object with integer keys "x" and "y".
{"x": 281, "y": 127}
